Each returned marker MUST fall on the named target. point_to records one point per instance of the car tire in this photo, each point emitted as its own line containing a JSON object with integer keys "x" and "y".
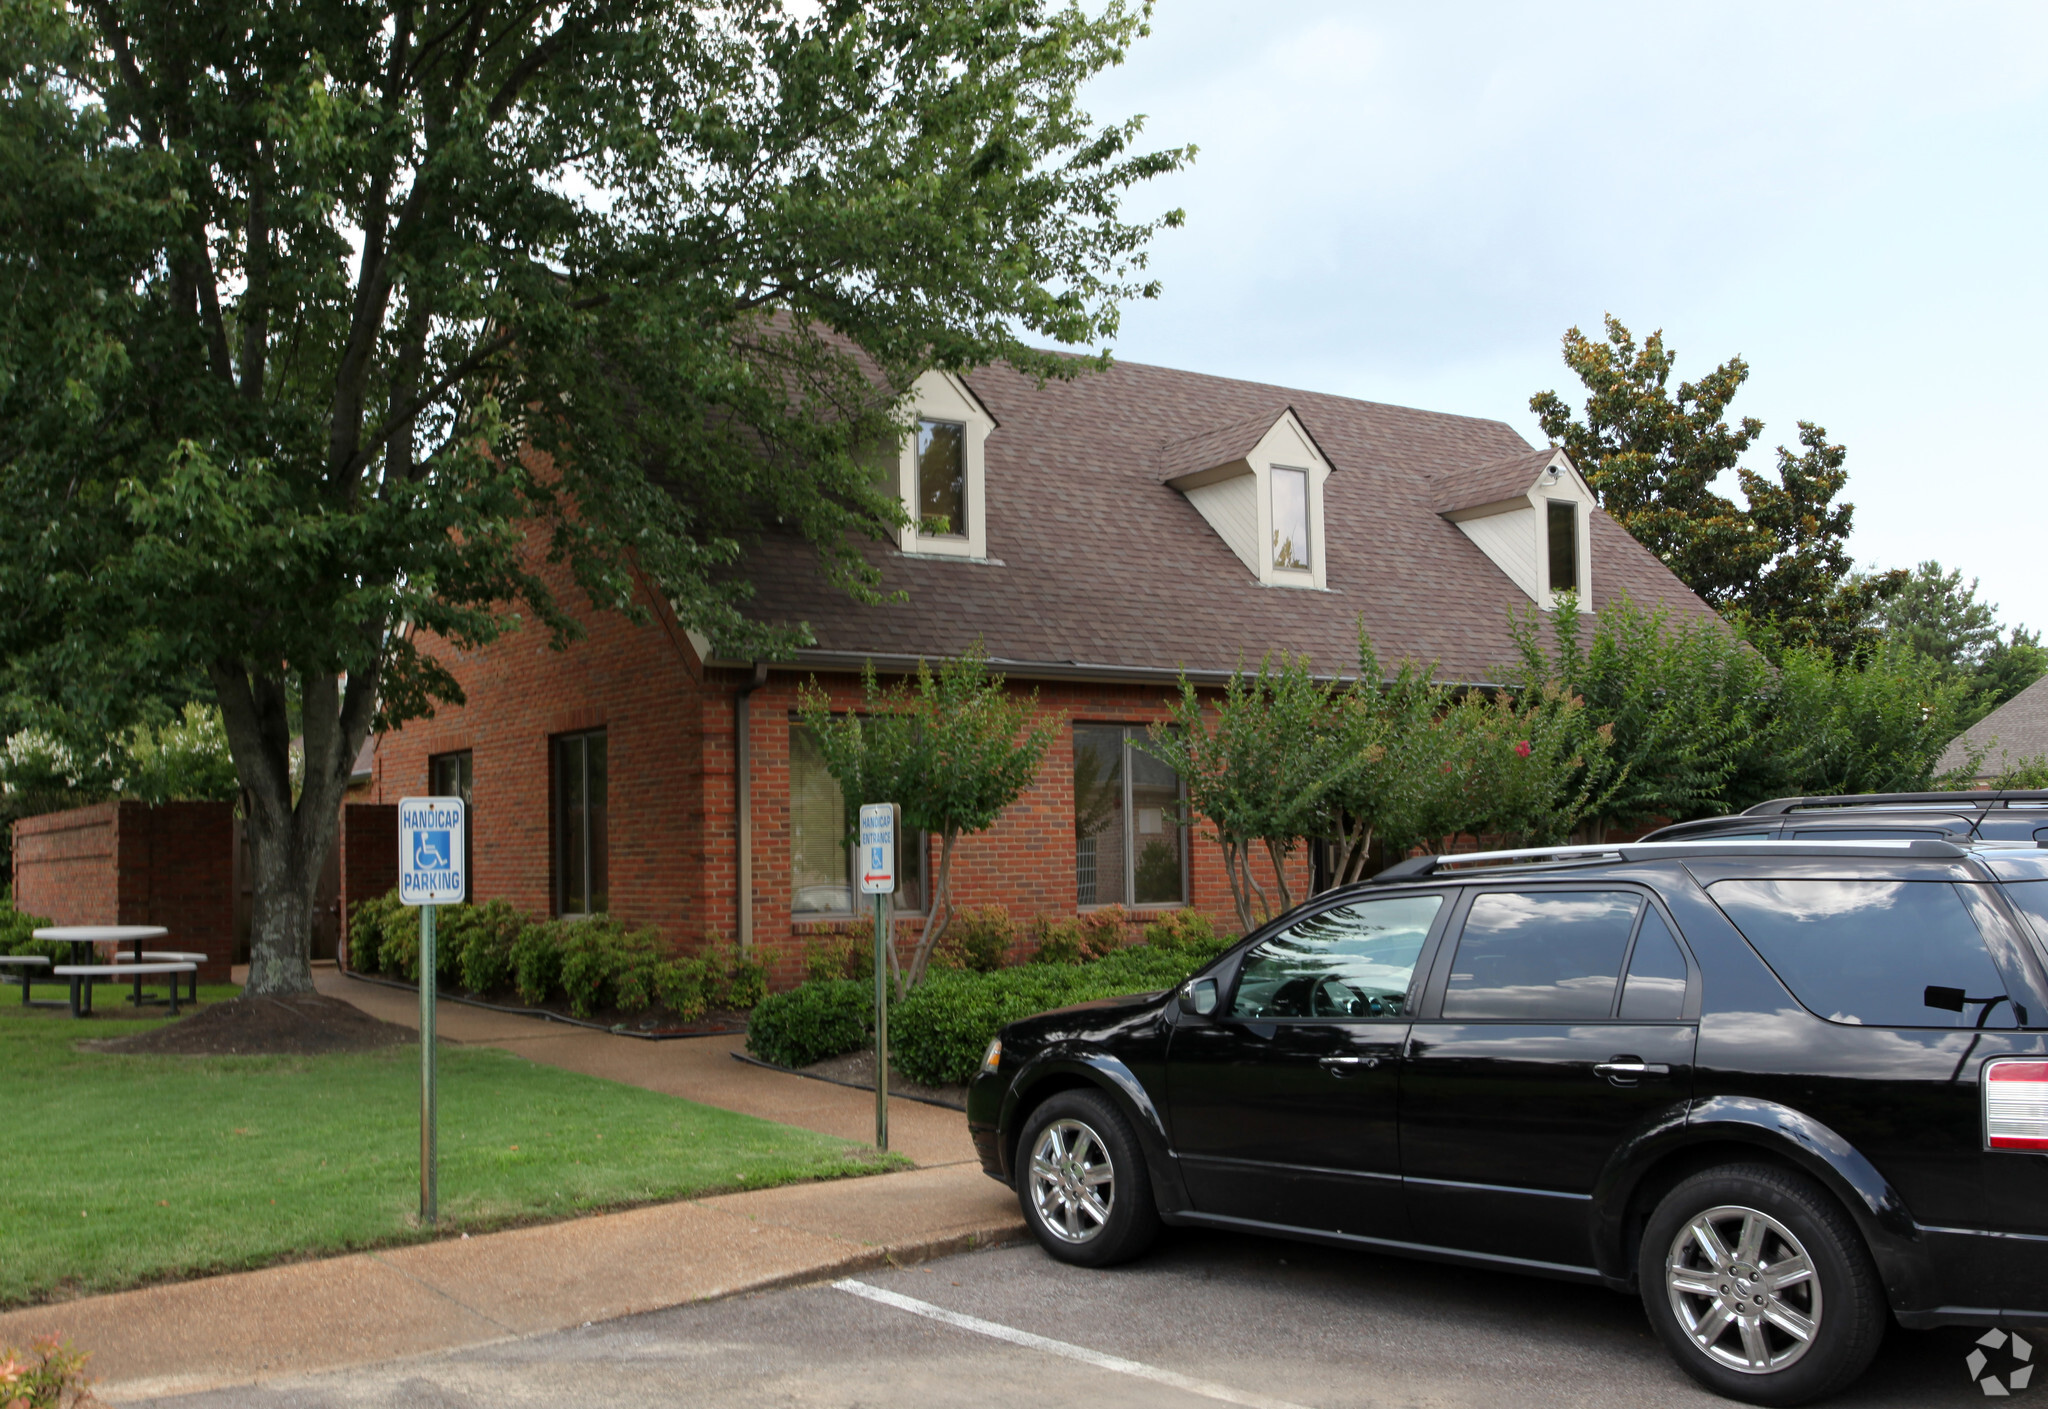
{"x": 1075, "y": 1146}
{"x": 1760, "y": 1286}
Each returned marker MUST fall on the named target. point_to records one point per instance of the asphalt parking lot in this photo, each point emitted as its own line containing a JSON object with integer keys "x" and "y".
{"x": 1205, "y": 1318}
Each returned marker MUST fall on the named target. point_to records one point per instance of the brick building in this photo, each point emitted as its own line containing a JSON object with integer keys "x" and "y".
{"x": 1099, "y": 537}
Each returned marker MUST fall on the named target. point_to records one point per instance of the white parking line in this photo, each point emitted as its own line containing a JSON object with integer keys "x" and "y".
{"x": 1208, "y": 1389}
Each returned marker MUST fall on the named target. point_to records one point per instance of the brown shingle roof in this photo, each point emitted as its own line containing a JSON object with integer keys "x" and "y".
{"x": 1095, "y": 562}
{"x": 2015, "y": 732}
{"x": 1460, "y": 488}
{"x": 1207, "y": 449}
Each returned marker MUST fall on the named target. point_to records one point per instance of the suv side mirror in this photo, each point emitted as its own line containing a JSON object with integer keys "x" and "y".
{"x": 1198, "y": 997}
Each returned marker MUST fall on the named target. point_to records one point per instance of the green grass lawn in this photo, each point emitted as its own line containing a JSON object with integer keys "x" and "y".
{"x": 118, "y": 1170}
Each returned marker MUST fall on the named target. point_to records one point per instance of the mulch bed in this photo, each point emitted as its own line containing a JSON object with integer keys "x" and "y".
{"x": 858, "y": 1069}
{"x": 302, "y": 1024}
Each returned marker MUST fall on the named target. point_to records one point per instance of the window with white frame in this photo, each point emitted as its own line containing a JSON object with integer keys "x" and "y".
{"x": 1290, "y": 519}
{"x": 941, "y": 479}
{"x": 1130, "y": 845}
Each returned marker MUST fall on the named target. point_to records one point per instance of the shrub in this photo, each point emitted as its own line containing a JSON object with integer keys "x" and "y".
{"x": 1181, "y": 929}
{"x": 1105, "y": 931}
{"x": 815, "y": 1020}
{"x": 17, "y": 932}
{"x": 980, "y": 940}
{"x": 536, "y": 963}
{"x": 481, "y": 938}
{"x": 45, "y": 1376}
{"x": 938, "y": 1034}
{"x": 1058, "y": 942}
{"x": 829, "y": 956}
{"x": 597, "y": 954}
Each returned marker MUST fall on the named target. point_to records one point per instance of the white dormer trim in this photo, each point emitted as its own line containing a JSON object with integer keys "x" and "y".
{"x": 1515, "y": 532}
{"x": 941, "y": 396}
{"x": 1236, "y": 498}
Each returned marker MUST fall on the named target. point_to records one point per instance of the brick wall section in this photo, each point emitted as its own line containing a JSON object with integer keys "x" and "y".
{"x": 121, "y": 863}
{"x": 369, "y": 857}
{"x": 671, "y": 746}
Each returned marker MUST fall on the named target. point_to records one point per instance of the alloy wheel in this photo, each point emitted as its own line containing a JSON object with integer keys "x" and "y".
{"x": 1073, "y": 1181}
{"x": 1744, "y": 1289}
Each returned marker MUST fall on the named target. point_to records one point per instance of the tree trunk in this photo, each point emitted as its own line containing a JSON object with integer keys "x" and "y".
{"x": 289, "y": 839}
{"x": 937, "y": 919}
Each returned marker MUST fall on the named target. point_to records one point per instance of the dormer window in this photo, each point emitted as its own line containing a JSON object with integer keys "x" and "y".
{"x": 940, "y": 470}
{"x": 1563, "y": 524}
{"x": 1259, "y": 484}
{"x": 1532, "y": 515}
{"x": 1290, "y": 519}
{"x": 941, "y": 479}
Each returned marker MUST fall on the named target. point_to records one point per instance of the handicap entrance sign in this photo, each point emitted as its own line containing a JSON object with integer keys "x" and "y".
{"x": 430, "y": 859}
{"x": 878, "y": 848}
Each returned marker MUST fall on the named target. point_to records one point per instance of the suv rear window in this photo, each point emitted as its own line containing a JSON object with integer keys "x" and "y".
{"x": 1867, "y": 952}
{"x": 1541, "y": 956}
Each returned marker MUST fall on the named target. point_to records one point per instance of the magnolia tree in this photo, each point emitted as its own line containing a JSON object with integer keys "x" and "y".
{"x": 324, "y": 323}
{"x": 951, "y": 747}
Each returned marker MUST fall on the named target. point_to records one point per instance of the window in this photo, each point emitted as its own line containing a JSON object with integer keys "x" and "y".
{"x": 1655, "y": 990}
{"x": 582, "y": 859}
{"x": 1130, "y": 846}
{"x": 448, "y": 775}
{"x": 821, "y": 844}
{"x": 1290, "y": 519}
{"x": 1869, "y": 952}
{"x": 1355, "y": 961}
{"x": 942, "y": 479}
{"x": 1564, "y": 547}
{"x": 1541, "y": 956}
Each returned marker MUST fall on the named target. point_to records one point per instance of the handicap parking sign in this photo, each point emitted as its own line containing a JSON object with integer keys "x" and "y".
{"x": 430, "y": 859}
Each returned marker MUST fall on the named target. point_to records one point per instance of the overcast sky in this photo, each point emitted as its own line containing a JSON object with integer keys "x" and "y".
{"x": 1411, "y": 203}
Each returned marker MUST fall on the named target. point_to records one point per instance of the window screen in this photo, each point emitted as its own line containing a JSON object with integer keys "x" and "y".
{"x": 1866, "y": 952}
{"x": 1655, "y": 990}
{"x": 1564, "y": 547}
{"x": 942, "y": 478}
{"x": 819, "y": 861}
{"x": 1354, "y": 961}
{"x": 450, "y": 775}
{"x": 1130, "y": 844}
{"x": 1541, "y": 956}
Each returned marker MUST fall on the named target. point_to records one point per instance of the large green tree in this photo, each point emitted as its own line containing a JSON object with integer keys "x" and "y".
{"x": 313, "y": 310}
{"x": 1935, "y": 612}
{"x": 1653, "y": 455}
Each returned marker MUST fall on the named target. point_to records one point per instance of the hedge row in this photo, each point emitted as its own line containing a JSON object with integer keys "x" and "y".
{"x": 938, "y": 1033}
{"x": 16, "y": 932}
{"x": 593, "y": 963}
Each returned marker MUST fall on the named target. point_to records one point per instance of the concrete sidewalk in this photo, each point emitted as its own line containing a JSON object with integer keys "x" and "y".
{"x": 467, "y": 1291}
{"x": 695, "y": 1068}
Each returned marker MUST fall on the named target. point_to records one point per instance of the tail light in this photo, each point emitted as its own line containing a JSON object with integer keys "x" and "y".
{"x": 2016, "y": 1104}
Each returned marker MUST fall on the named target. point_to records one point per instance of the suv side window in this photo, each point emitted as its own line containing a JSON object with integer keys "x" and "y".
{"x": 1869, "y": 952}
{"x": 1655, "y": 991}
{"x": 1541, "y": 956}
{"x": 1351, "y": 961}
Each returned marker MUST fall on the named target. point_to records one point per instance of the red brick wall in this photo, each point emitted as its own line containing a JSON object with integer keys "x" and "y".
{"x": 368, "y": 843}
{"x": 121, "y": 863}
{"x": 671, "y": 748}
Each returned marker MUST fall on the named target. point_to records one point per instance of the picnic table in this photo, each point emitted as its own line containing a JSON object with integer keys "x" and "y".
{"x": 82, "y": 938}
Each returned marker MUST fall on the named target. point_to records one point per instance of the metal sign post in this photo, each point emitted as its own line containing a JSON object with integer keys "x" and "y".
{"x": 878, "y": 835}
{"x": 431, "y": 869}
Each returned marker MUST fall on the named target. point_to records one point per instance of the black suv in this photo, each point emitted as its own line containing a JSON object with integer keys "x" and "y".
{"x": 1782, "y": 1089}
{"x": 1984, "y": 815}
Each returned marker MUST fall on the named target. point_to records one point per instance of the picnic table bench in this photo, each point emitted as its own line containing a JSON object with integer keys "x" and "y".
{"x": 83, "y": 976}
{"x": 83, "y": 939}
{"x": 28, "y": 968}
{"x": 168, "y": 956}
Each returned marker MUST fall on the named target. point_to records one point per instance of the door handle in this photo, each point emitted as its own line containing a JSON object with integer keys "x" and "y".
{"x": 1626, "y": 1071}
{"x": 1344, "y": 1066}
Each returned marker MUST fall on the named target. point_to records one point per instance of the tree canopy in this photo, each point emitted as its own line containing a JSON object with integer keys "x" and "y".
{"x": 314, "y": 312}
{"x": 1654, "y": 455}
{"x": 1937, "y": 614}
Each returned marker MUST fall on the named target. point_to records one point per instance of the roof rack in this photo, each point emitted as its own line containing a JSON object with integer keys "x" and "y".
{"x": 1981, "y": 797}
{"x": 1419, "y": 868}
